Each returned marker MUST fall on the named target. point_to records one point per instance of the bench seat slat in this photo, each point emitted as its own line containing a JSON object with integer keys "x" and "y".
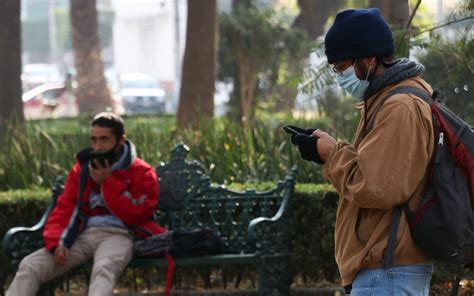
{"x": 196, "y": 261}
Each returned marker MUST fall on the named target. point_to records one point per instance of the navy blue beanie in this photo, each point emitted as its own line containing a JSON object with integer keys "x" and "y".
{"x": 358, "y": 33}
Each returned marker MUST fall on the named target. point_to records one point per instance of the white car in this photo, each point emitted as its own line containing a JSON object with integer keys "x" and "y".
{"x": 141, "y": 94}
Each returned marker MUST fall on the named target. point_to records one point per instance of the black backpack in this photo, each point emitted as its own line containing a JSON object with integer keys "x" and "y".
{"x": 191, "y": 242}
{"x": 442, "y": 224}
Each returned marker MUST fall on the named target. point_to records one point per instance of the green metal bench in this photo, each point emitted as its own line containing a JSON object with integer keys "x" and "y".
{"x": 253, "y": 225}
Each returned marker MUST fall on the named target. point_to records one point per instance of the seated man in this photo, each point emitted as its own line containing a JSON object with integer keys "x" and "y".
{"x": 109, "y": 196}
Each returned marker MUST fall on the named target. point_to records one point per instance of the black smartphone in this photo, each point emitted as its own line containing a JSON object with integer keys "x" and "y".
{"x": 99, "y": 156}
{"x": 290, "y": 130}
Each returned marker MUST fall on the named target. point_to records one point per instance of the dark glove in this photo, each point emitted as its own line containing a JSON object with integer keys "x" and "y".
{"x": 307, "y": 144}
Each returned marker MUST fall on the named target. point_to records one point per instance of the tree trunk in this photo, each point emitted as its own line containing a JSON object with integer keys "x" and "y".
{"x": 199, "y": 64}
{"x": 310, "y": 18}
{"x": 395, "y": 12}
{"x": 248, "y": 81}
{"x": 11, "y": 105}
{"x": 92, "y": 94}
{"x": 314, "y": 15}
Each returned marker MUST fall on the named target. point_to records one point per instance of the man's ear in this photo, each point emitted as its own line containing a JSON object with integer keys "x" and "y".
{"x": 122, "y": 139}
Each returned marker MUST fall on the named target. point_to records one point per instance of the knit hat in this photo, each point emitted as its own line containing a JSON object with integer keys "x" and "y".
{"x": 358, "y": 33}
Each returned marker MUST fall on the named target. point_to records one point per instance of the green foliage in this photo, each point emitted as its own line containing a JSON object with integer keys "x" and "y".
{"x": 43, "y": 149}
{"x": 19, "y": 208}
{"x": 312, "y": 233}
{"x": 276, "y": 51}
{"x": 450, "y": 68}
{"x": 233, "y": 154}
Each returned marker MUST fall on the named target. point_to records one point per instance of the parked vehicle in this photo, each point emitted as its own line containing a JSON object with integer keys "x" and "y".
{"x": 141, "y": 94}
{"x": 34, "y": 75}
{"x": 48, "y": 100}
{"x": 52, "y": 100}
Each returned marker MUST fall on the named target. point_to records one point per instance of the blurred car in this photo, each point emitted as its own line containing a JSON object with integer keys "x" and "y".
{"x": 141, "y": 94}
{"x": 34, "y": 75}
{"x": 52, "y": 100}
{"x": 48, "y": 100}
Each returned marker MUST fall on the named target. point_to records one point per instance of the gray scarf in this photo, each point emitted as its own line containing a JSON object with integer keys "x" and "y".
{"x": 401, "y": 70}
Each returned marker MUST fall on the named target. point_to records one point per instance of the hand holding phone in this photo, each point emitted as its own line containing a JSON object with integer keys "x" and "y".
{"x": 99, "y": 157}
{"x": 306, "y": 142}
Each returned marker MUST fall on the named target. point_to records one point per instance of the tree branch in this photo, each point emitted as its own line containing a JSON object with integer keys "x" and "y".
{"x": 412, "y": 15}
{"x": 444, "y": 25}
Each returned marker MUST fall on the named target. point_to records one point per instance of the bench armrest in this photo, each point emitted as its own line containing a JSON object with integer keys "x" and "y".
{"x": 19, "y": 242}
{"x": 270, "y": 235}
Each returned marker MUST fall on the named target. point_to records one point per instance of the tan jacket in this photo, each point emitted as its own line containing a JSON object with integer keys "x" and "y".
{"x": 376, "y": 173}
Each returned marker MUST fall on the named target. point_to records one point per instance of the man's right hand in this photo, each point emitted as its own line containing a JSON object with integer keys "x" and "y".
{"x": 60, "y": 255}
{"x": 306, "y": 142}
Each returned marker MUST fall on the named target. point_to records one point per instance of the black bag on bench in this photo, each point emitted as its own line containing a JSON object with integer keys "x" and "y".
{"x": 180, "y": 243}
{"x": 192, "y": 242}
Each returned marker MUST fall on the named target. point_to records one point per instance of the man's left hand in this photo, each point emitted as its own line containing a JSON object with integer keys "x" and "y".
{"x": 101, "y": 173}
{"x": 325, "y": 143}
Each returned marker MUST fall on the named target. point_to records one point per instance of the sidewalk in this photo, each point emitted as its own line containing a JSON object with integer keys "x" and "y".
{"x": 294, "y": 292}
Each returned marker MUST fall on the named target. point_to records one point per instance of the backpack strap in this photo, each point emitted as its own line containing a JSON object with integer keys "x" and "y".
{"x": 169, "y": 274}
{"x": 421, "y": 93}
{"x": 387, "y": 261}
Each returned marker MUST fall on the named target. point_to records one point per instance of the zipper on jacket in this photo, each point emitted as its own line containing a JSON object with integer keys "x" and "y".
{"x": 440, "y": 146}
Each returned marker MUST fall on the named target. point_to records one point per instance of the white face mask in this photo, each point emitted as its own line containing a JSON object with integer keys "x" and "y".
{"x": 349, "y": 82}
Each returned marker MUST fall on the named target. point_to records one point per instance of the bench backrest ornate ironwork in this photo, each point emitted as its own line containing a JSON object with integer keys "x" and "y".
{"x": 188, "y": 199}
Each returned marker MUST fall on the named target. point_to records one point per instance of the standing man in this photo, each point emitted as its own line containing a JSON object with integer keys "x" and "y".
{"x": 385, "y": 166}
{"x": 110, "y": 196}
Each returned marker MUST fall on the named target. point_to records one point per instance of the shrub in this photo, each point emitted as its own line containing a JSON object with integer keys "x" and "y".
{"x": 45, "y": 149}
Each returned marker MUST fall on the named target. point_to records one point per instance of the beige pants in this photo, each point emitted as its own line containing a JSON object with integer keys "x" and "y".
{"x": 111, "y": 249}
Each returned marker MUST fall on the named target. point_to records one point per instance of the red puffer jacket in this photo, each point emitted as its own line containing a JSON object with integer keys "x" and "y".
{"x": 130, "y": 194}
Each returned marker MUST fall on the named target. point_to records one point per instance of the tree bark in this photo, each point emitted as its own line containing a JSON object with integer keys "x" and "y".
{"x": 199, "y": 64}
{"x": 395, "y": 12}
{"x": 11, "y": 105}
{"x": 248, "y": 82}
{"x": 310, "y": 18}
{"x": 92, "y": 94}
{"x": 314, "y": 15}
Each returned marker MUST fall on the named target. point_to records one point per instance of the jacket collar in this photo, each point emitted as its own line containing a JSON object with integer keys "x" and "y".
{"x": 125, "y": 160}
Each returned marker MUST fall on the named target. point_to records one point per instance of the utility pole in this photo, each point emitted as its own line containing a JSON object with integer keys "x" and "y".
{"x": 177, "y": 56}
{"x": 53, "y": 45}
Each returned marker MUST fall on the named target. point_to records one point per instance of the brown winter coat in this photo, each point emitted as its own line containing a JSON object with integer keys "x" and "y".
{"x": 376, "y": 173}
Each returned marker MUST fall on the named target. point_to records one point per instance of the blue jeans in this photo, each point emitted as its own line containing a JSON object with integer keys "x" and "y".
{"x": 409, "y": 280}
